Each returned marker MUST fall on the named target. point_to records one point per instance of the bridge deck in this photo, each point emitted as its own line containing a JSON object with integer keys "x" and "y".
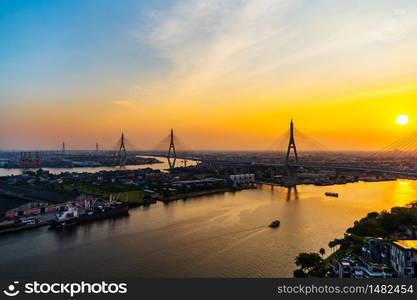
{"x": 304, "y": 165}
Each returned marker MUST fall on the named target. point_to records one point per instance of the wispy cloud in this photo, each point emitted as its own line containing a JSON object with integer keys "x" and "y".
{"x": 233, "y": 45}
{"x": 212, "y": 41}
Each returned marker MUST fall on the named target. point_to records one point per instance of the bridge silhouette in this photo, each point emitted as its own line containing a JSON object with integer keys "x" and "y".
{"x": 290, "y": 154}
{"x": 290, "y": 158}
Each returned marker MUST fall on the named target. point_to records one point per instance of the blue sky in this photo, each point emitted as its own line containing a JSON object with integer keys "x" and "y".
{"x": 70, "y": 43}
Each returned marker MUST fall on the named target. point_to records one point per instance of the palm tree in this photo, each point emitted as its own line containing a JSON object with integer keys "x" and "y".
{"x": 308, "y": 261}
{"x": 322, "y": 251}
{"x": 331, "y": 245}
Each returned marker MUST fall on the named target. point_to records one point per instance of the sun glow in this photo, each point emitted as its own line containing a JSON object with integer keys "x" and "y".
{"x": 402, "y": 120}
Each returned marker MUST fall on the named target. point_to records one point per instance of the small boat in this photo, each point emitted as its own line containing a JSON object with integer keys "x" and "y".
{"x": 332, "y": 194}
{"x": 274, "y": 224}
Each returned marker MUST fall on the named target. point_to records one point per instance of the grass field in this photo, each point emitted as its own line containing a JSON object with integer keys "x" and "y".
{"x": 123, "y": 193}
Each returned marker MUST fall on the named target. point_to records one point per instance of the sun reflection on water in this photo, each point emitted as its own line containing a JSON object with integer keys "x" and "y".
{"x": 404, "y": 192}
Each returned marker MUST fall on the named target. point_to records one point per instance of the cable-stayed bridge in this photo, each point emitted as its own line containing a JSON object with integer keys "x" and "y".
{"x": 293, "y": 150}
{"x": 288, "y": 151}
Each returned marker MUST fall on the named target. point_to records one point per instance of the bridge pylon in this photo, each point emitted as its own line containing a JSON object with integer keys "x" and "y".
{"x": 122, "y": 151}
{"x": 291, "y": 145}
{"x": 291, "y": 170}
{"x": 171, "y": 151}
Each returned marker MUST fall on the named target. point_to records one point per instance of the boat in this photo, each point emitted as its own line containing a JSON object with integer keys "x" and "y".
{"x": 332, "y": 194}
{"x": 274, "y": 224}
{"x": 67, "y": 217}
{"x": 103, "y": 211}
{"x": 93, "y": 210}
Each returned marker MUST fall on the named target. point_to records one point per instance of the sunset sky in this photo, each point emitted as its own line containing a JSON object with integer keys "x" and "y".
{"x": 226, "y": 74}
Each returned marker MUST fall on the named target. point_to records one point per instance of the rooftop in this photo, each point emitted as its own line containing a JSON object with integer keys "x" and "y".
{"x": 407, "y": 244}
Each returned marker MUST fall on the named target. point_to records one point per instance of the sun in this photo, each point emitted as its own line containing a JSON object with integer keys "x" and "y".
{"x": 402, "y": 120}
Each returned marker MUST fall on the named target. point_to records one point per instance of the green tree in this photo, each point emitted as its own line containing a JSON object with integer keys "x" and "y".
{"x": 300, "y": 274}
{"x": 331, "y": 245}
{"x": 372, "y": 215}
{"x": 308, "y": 261}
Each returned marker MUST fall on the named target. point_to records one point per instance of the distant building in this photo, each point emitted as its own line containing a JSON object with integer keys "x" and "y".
{"x": 343, "y": 268}
{"x": 403, "y": 255}
{"x": 374, "y": 249}
{"x": 242, "y": 178}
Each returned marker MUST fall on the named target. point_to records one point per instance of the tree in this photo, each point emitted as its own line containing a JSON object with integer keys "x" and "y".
{"x": 322, "y": 251}
{"x": 300, "y": 274}
{"x": 331, "y": 245}
{"x": 334, "y": 243}
{"x": 308, "y": 261}
{"x": 412, "y": 205}
{"x": 372, "y": 215}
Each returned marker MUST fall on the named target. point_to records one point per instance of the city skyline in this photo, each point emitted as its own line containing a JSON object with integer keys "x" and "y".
{"x": 226, "y": 75}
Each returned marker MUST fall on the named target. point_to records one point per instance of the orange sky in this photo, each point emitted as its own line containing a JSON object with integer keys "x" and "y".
{"x": 361, "y": 121}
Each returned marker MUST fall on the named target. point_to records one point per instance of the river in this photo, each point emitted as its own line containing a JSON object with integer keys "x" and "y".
{"x": 158, "y": 166}
{"x": 224, "y": 235}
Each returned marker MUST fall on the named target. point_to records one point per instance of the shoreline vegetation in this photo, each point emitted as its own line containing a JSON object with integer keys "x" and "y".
{"x": 194, "y": 194}
{"x": 125, "y": 193}
{"x": 384, "y": 224}
{"x": 135, "y": 197}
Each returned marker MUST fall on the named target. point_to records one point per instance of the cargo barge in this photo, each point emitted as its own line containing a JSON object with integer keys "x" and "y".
{"x": 103, "y": 213}
{"x": 93, "y": 211}
{"x": 67, "y": 215}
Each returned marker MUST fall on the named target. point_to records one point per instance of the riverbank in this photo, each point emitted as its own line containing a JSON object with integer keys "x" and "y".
{"x": 130, "y": 195}
{"x": 70, "y": 161}
{"x": 194, "y": 194}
